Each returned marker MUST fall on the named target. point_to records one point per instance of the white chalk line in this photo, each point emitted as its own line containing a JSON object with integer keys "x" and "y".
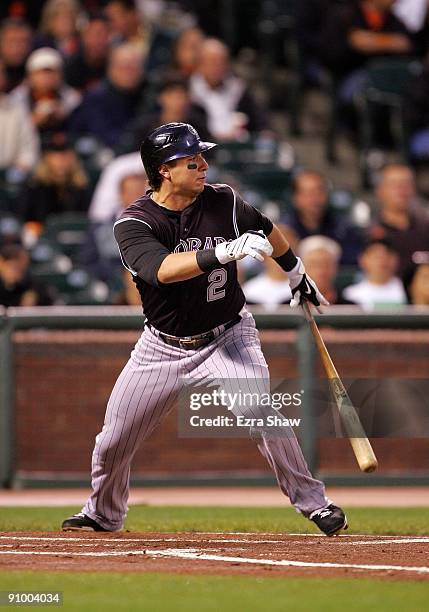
{"x": 338, "y": 540}
{"x": 404, "y": 541}
{"x": 196, "y": 554}
{"x": 64, "y": 553}
{"x": 188, "y": 554}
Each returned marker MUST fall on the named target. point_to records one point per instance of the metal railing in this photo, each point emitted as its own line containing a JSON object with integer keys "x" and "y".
{"x": 131, "y": 318}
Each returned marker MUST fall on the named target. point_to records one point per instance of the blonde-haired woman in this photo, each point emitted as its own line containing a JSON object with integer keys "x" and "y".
{"x": 58, "y": 185}
{"x": 59, "y": 26}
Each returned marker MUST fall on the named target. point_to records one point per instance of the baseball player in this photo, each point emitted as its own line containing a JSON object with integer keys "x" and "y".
{"x": 181, "y": 241}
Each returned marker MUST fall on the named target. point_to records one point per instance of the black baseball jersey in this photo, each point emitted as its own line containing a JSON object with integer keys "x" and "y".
{"x": 147, "y": 232}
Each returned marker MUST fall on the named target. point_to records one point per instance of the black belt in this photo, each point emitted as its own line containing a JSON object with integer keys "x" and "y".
{"x": 192, "y": 343}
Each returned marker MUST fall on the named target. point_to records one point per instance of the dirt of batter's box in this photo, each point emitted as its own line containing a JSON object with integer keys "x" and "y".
{"x": 357, "y": 556}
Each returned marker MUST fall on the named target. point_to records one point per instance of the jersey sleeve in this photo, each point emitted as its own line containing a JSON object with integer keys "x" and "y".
{"x": 250, "y": 218}
{"x": 141, "y": 252}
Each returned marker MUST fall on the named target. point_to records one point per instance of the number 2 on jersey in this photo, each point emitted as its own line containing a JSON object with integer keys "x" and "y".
{"x": 217, "y": 279}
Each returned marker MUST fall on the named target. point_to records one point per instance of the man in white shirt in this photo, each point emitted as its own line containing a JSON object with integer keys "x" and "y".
{"x": 380, "y": 286}
{"x": 231, "y": 110}
{"x": 19, "y": 139}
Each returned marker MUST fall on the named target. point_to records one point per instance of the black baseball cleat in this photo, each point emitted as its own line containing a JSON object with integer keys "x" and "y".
{"x": 331, "y": 520}
{"x": 81, "y": 522}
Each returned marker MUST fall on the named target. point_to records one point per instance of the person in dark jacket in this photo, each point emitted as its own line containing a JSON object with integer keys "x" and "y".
{"x": 174, "y": 105}
{"x": 88, "y": 65}
{"x": 400, "y": 217}
{"x": 312, "y": 215}
{"x": 128, "y": 25}
{"x": 355, "y": 32}
{"x": 15, "y": 47}
{"x": 107, "y": 109}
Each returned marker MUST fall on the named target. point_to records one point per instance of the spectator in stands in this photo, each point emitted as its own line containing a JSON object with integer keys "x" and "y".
{"x": 88, "y": 65}
{"x": 107, "y": 109}
{"x": 417, "y": 283}
{"x": 15, "y": 47}
{"x": 106, "y": 200}
{"x": 19, "y": 148}
{"x": 358, "y": 31}
{"x": 44, "y": 93}
{"x": 321, "y": 257}
{"x": 187, "y": 50}
{"x": 100, "y": 254}
{"x": 17, "y": 288}
{"x": 30, "y": 10}
{"x": 311, "y": 215}
{"x": 174, "y": 105}
{"x": 231, "y": 109}
{"x": 58, "y": 184}
{"x": 58, "y": 26}
{"x": 380, "y": 286}
{"x": 128, "y": 26}
{"x": 400, "y": 218}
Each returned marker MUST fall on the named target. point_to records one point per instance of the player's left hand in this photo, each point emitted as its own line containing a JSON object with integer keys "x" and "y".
{"x": 304, "y": 288}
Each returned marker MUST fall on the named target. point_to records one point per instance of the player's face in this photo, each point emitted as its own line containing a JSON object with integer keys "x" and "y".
{"x": 188, "y": 175}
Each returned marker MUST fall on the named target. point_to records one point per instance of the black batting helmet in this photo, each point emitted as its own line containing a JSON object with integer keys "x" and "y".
{"x": 168, "y": 142}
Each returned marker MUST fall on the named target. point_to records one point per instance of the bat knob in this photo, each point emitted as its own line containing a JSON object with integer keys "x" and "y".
{"x": 369, "y": 466}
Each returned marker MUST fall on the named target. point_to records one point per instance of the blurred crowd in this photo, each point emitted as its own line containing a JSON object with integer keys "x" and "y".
{"x": 83, "y": 82}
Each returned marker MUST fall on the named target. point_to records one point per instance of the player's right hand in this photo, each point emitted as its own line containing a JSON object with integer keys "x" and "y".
{"x": 254, "y": 244}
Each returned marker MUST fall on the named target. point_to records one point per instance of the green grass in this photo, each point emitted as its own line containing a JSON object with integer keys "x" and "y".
{"x": 413, "y": 521}
{"x": 175, "y": 593}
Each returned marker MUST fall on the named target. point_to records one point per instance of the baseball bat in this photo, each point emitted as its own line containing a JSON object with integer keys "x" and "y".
{"x": 361, "y": 446}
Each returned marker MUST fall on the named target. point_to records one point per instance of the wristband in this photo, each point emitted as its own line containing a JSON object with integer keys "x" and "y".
{"x": 287, "y": 261}
{"x": 207, "y": 260}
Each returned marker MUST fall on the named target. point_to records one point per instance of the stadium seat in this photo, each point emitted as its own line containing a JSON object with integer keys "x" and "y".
{"x": 237, "y": 156}
{"x": 66, "y": 232}
{"x": 273, "y": 182}
{"x": 347, "y": 275}
{"x": 75, "y": 287}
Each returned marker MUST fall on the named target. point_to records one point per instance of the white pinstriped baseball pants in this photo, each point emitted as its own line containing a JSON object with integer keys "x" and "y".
{"x": 145, "y": 392}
